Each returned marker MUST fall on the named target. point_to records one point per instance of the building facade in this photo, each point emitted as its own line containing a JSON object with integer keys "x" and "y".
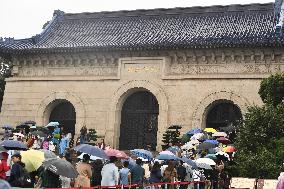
{"x": 132, "y": 74}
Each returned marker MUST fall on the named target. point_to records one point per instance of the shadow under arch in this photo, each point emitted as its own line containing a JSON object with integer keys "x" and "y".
{"x": 118, "y": 99}
{"x": 49, "y": 102}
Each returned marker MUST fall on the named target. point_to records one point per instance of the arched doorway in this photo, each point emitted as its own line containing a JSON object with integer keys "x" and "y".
{"x": 139, "y": 121}
{"x": 222, "y": 113}
{"x": 64, "y": 113}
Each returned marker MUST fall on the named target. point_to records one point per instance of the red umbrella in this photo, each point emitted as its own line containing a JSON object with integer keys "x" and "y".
{"x": 116, "y": 153}
{"x": 229, "y": 149}
{"x": 223, "y": 140}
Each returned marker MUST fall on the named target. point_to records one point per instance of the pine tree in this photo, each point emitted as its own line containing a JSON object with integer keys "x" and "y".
{"x": 92, "y": 135}
{"x": 171, "y": 136}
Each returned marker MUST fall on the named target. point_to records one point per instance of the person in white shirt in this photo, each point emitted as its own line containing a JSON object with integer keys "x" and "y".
{"x": 110, "y": 174}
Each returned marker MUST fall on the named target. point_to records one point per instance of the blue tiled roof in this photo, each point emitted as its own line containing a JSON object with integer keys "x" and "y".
{"x": 193, "y": 27}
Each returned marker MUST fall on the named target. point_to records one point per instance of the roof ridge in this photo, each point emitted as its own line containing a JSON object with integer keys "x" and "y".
{"x": 172, "y": 11}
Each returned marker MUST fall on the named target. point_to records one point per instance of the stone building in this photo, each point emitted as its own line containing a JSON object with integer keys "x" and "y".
{"x": 131, "y": 74}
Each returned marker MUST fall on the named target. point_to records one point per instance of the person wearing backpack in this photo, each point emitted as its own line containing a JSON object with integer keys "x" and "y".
{"x": 19, "y": 176}
{"x": 4, "y": 167}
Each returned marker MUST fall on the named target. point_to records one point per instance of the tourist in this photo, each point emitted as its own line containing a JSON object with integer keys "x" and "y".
{"x": 97, "y": 169}
{"x": 170, "y": 174}
{"x": 4, "y": 167}
{"x": 124, "y": 174}
{"x": 65, "y": 182}
{"x": 137, "y": 173}
{"x": 48, "y": 179}
{"x": 110, "y": 174}
{"x": 63, "y": 144}
{"x": 155, "y": 175}
{"x": 181, "y": 172}
{"x": 16, "y": 171}
{"x": 85, "y": 172}
{"x": 83, "y": 134}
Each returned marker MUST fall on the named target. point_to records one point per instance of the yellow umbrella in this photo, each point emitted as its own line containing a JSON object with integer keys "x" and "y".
{"x": 210, "y": 130}
{"x": 33, "y": 159}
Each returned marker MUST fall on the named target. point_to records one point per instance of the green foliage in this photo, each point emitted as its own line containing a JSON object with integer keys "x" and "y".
{"x": 272, "y": 89}
{"x": 92, "y": 135}
{"x": 260, "y": 142}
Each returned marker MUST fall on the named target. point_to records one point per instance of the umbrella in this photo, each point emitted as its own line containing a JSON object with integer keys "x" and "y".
{"x": 194, "y": 131}
{"x": 91, "y": 157}
{"x": 91, "y": 150}
{"x": 210, "y": 130}
{"x": 131, "y": 161}
{"x": 48, "y": 154}
{"x": 189, "y": 162}
{"x": 7, "y": 127}
{"x": 61, "y": 167}
{"x": 116, "y": 153}
{"x": 13, "y": 145}
{"x": 166, "y": 157}
{"x": 211, "y": 156}
{"x": 38, "y": 133}
{"x": 18, "y": 134}
{"x": 198, "y": 136}
{"x": 203, "y": 166}
{"x": 206, "y": 161}
{"x": 219, "y": 134}
{"x": 223, "y": 140}
{"x": 33, "y": 159}
{"x": 229, "y": 149}
{"x": 30, "y": 122}
{"x": 212, "y": 141}
{"x": 185, "y": 138}
{"x": 167, "y": 153}
{"x": 52, "y": 124}
{"x": 205, "y": 146}
{"x": 173, "y": 149}
{"x": 223, "y": 154}
{"x": 142, "y": 153}
{"x": 22, "y": 126}
{"x": 175, "y": 127}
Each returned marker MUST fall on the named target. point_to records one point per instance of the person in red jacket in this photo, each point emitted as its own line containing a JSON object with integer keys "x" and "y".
{"x": 4, "y": 167}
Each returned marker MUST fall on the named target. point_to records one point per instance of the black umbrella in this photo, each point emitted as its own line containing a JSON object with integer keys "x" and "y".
{"x": 205, "y": 146}
{"x": 61, "y": 167}
{"x": 30, "y": 122}
{"x": 38, "y": 133}
{"x": 13, "y": 145}
{"x": 91, "y": 150}
{"x": 22, "y": 126}
{"x": 175, "y": 127}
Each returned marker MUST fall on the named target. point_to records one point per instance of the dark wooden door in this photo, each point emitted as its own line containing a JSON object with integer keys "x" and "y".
{"x": 139, "y": 121}
{"x": 65, "y": 114}
{"x": 222, "y": 115}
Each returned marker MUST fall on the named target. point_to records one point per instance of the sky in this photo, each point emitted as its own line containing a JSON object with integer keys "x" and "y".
{"x": 25, "y": 18}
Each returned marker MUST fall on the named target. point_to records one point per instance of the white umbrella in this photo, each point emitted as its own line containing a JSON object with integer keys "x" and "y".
{"x": 223, "y": 154}
{"x": 203, "y": 166}
{"x": 206, "y": 161}
{"x": 91, "y": 157}
{"x": 219, "y": 134}
{"x": 197, "y": 136}
{"x": 52, "y": 124}
{"x": 18, "y": 134}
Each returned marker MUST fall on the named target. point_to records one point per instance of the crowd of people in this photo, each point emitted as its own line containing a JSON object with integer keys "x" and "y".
{"x": 134, "y": 171}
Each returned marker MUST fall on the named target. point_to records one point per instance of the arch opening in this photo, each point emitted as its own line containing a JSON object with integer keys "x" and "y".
{"x": 63, "y": 112}
{"x": 139, "y": 121}
{"x": 222, "y": 113}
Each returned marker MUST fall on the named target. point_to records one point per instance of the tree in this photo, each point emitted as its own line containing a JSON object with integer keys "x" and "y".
{"x": 171, "y": 136}
{"x": 272, "y": 89}
{"x": 260, "y": 138}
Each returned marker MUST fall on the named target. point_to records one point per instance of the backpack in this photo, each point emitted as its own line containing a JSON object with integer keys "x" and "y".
{"x": 25, "y": 180}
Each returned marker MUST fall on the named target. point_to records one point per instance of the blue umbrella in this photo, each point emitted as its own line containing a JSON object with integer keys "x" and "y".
{"x": 91, "y": 150}
{"x": 7, "y": 127}
{"x": 131, "y": 161}
{"x": 212, "y": 141}
{"x": 173, "y": 149}
{"x": 142, "y": 153}
{"x": 166, "y": 157}
{"x": 194, "y": 131}
{"x": 30, "y": 122}
{"x": 13, "y": 145}
{"x": 189, "y": 162}
{"x": 211, "y": 156}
